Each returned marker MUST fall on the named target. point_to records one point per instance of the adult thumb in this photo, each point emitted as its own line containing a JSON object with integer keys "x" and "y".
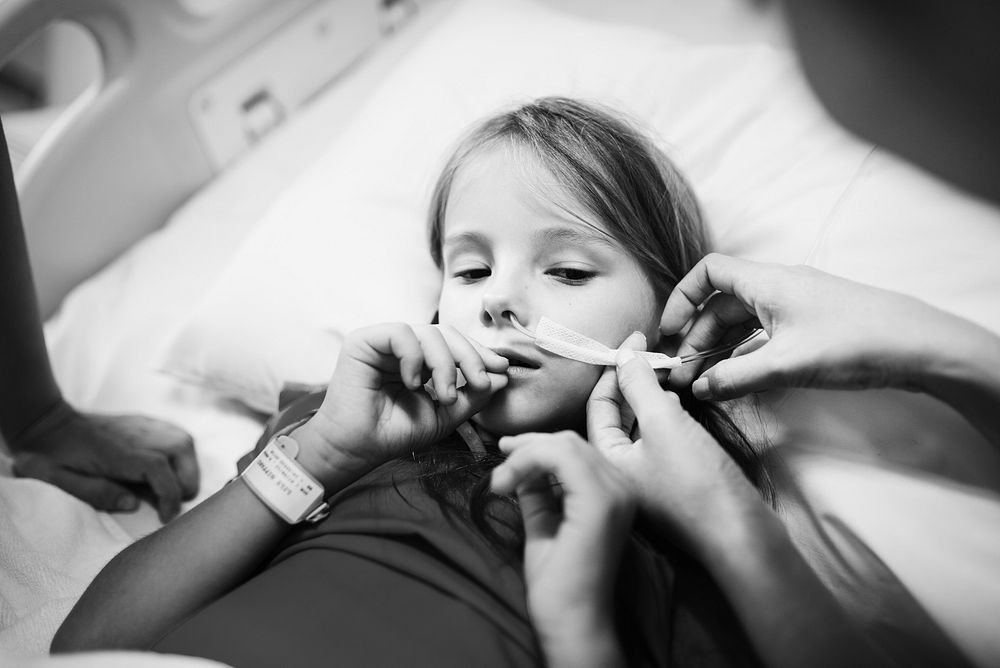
{"x": 735, "y": 377}
{"x": 639, "y": 385}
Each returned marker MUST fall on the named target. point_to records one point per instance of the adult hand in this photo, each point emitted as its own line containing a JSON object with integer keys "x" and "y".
{"x": 110, "y": 461}
{"x": 577, "y": 514}
{"x": 688, "y": 485}
{"x": 684, "y": 481}
{"x": 823, "y": 331}
{"x": 377, "y": 406}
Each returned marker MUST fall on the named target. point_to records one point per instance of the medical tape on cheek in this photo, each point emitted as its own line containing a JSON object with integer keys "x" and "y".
{"x": 562, "y": 341}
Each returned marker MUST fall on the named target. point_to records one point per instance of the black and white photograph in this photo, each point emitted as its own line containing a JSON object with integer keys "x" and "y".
{"x": 499, "y": 333}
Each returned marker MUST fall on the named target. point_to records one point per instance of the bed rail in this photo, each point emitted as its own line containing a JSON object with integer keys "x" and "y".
{"x": 129, "y": 151}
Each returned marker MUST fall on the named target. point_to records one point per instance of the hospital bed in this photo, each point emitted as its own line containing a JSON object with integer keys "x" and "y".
{"x": 247, "y": 184}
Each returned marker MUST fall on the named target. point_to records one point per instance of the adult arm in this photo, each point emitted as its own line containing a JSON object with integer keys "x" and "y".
{"x": 691, "y": 490}
{"x": 90, "y": 456}
{"x": 830, "y": 332}
{"x": 27, "y": 387}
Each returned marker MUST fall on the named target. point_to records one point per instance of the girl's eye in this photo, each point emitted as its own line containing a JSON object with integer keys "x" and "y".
{"x": 474, "y": 274}
{"x": 571, "y": 275}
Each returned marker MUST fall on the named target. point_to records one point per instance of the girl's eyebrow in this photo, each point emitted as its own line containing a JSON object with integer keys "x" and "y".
{"x": 464, "y": 239}
{"x": 576, "y": 235}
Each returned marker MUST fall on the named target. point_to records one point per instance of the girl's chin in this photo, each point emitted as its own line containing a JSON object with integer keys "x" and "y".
{"x": 500, "y": 423}
{"x": 498, "y": 426}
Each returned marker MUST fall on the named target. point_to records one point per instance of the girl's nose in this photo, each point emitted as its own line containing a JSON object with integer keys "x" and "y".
{"x": 498, "y": 308}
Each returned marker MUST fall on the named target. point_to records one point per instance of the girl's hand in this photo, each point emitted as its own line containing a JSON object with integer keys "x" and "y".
{"x": 577, "y": 514}
{"x": 683, "y": 478}
{"x": 377, "y": 407}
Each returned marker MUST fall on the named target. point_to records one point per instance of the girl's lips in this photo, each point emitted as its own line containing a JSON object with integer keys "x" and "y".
{"x": 517, "y": 359}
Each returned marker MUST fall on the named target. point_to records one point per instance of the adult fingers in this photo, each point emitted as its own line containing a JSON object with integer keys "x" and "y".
{"x": 185, "y": 466}
{"x": 738, "y": 376}
{"x": 721, "y": 316}
{"x": 652, "y": 405}
{"x": 592, "y": 489}
{"x": 154, "y": 470}
{"x": 165, "y": 487}
{"x": 101, "y": 493}
{"x": 607, "y": 412}
{"x": 713, "y": 273}
{"x": 539, "y": 499}
{"x": 141, "y": 432}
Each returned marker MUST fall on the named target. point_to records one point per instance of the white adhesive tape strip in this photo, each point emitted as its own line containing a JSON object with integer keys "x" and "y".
{"x": 564, "y": 342}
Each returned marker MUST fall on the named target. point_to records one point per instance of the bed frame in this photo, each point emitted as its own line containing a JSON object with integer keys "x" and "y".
{"x": 183, "y": 93}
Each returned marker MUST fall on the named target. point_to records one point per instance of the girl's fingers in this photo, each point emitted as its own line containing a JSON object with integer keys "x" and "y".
{"x": 469, "y": 400}
{"x": 440, "y": 362}
{"x": 435, "y": 354}
{"x": 469, "y": 357}
{"x": 493, "y": 362}
{"x": 394, "y": 346}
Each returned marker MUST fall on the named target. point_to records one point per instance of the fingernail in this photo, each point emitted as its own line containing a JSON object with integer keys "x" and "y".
{"x": 451, "y": 393}
{"x": 127, "y": 503}
{"x": 641, "y": 335}
{"x": 624, "y": 356}
{"x": 498, "y": 477}
{"x": 700, "y": 389}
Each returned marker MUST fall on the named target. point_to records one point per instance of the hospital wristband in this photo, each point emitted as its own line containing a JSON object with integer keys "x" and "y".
{"x": 283, "y": 485}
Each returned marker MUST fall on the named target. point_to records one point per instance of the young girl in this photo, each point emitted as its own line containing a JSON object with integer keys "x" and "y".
{"x": 556, "y": 210}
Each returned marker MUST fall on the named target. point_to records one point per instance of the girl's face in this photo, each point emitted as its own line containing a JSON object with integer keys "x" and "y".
{"x": 507, "y": 247}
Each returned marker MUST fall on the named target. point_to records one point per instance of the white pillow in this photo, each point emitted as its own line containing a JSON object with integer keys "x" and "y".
{"x": 344, "y": 245}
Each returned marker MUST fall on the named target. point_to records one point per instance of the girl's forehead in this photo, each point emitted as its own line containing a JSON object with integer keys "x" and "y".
{"x": 510, "y": 186}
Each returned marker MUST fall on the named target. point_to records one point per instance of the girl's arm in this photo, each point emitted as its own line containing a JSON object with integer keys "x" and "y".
{"x": 157, "y": 582}
{"x": 374, "y": 410}
{"x": 691, "y": 489}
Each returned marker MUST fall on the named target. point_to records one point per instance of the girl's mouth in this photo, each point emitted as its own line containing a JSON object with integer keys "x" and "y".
{"x": 517, "y": 360}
